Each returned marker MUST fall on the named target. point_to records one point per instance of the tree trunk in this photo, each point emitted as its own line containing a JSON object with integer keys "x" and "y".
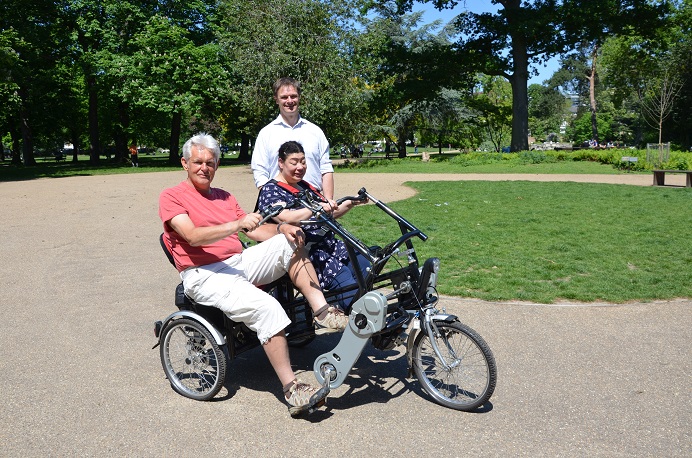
{"x": 25, "y": 127}
{"x": 244, "y": 153}
{"x": 592, "y": 95}
{"x": 520, "y": 96}
{"x": 27, "y": 142}
{"x": 401, "y": 144}
{"x": 95, "y": 144}
{"x": 174, "y": 155}
{"x": 402, "y": 133}
{"x": 76, "y": 146}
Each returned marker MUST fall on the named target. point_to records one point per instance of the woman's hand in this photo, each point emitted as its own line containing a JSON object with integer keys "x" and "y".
{"x": 294, "y": 234}
{"x": 329, "y": 206}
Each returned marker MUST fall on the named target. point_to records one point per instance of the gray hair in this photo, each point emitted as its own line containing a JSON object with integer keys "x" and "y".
{"x": 205, "y": 141}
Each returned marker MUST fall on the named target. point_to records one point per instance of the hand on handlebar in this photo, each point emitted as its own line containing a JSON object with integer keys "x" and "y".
{"x": 250, "y": 222}
{"x": 329, "y": 206}
{"x": 361, "y": 199}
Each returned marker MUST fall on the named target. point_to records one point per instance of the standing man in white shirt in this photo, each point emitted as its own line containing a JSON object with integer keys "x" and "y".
{"x": 289, "y": 125}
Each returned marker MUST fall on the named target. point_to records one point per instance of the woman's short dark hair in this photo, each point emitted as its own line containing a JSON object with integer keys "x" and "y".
{"x": 290, "y": 147}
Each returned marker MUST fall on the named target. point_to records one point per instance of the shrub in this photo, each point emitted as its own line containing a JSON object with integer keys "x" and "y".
{"x": 535, "y": 157}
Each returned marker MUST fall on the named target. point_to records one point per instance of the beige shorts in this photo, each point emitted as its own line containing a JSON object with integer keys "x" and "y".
{"x": 230, "y": 285}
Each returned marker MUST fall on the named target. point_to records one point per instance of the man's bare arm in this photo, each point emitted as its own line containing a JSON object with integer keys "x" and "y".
{"x": 199, "y": 236}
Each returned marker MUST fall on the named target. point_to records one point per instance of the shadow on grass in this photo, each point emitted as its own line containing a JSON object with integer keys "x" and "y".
{"x": 47, "y": 167}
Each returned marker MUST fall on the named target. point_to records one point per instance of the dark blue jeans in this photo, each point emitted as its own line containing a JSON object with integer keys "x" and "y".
{"x": 347, "y": 277}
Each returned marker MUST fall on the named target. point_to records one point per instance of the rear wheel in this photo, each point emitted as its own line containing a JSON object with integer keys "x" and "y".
{"x": 192, "y": 360}
{"x": 466, "y": 379}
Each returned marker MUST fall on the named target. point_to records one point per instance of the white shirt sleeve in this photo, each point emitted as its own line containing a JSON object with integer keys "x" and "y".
{"x": 260, "y": 161}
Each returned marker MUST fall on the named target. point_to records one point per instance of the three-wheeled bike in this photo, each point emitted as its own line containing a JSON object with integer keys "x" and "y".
{"x": 395, "y": 303}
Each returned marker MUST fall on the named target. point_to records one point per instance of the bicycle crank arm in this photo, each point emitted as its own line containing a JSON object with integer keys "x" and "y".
{"x": 368, "y": 316}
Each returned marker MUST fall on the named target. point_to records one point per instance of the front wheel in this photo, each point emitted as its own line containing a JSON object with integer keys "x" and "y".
{"x": 466, "y": 379}
{"x": 192, "y": 360}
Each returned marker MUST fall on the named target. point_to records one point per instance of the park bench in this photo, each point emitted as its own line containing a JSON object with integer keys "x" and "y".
{"x": 660, "y": 177}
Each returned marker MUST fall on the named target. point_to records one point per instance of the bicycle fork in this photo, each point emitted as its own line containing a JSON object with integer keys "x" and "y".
{"x": 427, "y": 325}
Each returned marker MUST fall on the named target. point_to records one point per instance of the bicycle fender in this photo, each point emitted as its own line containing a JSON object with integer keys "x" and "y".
{"x": 415, "y": 329}
{"x": 447, "y": 318}
{"x": 218, "y": 337}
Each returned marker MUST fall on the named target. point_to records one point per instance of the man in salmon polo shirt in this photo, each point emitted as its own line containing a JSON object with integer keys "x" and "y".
{"x": 201, "y": 226}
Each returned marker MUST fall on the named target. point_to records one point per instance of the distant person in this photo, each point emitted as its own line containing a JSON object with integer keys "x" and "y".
{"x": 133, "y": 155}
{"x": 289, "y": 125}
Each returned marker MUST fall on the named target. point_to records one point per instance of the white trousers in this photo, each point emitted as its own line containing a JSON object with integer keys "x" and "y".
{"x": 230, "y": 285}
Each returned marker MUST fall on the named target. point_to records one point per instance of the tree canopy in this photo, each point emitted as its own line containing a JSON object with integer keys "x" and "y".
{"x": 103, "y": 74}
{"x": 525, "y": 33}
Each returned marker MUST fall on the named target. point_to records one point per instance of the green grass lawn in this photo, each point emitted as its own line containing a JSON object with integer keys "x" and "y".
{"x": 547, "y": 241}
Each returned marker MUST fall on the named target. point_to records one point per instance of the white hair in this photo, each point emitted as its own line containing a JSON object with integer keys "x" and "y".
{"x": 204, "y": 140}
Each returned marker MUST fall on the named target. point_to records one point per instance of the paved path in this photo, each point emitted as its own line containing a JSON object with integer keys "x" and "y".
{"x": 83, "y": 279}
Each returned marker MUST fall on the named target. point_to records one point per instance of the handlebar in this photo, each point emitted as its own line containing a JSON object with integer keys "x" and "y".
{"x": 408, "y": 230}
{"x": 358, "y": 198}
{"x": 269, "y": 212}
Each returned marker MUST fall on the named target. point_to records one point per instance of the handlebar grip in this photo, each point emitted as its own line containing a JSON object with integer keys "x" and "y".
{"x": 354, "y": 198}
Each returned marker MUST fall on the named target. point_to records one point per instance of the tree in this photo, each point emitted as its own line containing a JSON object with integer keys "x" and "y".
{"x": 269, "y": 39}
{"x": 9, "y": 89}
{"x": 659, "y": 99}
{"x": 547, "y": 109}
{"x": 411, "y": 66}
{"x": 176, "y": 71}
{"x": 522, "y": 33}
{"x": 581, "y": 129}
{"x": 441, "y": 118}
{"x": 492, "y": 103}
{"x": 32, "y": 44}
{"x": 637, "y": 66}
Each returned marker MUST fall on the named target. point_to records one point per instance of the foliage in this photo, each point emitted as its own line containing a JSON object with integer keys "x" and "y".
{"x": 581, "y": 129}
{"x": 493, "y": 104}
{"x": 100, "y": 74}
{"x": 413, "y": 83}
{"x": 526, "y": 33}
{"x": 269, "y": 39}
{"x": 547, "y": 110}
{"x": 445, "y": 119}
{"x": 634, "y": 68}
